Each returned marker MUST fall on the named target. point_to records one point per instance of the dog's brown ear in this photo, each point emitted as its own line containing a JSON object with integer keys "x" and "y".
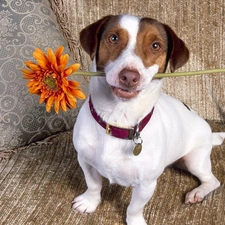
{"x": 90, "y": 36}
{"x": 178, "y": 53}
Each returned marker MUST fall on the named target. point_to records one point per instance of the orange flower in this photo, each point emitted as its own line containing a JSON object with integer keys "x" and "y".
{"x": 48, "y": 78}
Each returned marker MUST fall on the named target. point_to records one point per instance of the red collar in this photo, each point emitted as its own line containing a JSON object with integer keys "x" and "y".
{"x": 119, "y": 132}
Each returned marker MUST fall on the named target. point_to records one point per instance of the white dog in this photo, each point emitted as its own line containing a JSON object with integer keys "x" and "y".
{"x": 128, "y": 130}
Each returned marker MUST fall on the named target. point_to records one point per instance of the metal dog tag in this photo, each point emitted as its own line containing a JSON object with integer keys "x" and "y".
{"x": 137, "y": 149}
{"x": 138, "y": 142}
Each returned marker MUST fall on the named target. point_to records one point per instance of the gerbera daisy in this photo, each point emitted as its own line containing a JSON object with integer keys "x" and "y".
{"x": 48, "y": 78}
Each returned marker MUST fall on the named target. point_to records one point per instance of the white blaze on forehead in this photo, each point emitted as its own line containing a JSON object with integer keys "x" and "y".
{"x": 131, "y": 24}
{"x": 128, "y": 58}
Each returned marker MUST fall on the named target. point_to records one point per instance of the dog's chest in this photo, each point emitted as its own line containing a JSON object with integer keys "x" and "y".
{"x": 114, "y": 161}
{"x": 119, "y": 171}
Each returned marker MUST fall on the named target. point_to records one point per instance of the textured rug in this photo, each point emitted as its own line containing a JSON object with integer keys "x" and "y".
{"x": 38, "y": 184}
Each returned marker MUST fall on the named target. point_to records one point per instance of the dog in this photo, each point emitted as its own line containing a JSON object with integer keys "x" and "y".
{"x": 128, "y": 130}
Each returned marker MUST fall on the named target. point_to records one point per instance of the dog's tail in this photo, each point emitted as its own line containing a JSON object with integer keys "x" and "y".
{"x": 218, "y": 138}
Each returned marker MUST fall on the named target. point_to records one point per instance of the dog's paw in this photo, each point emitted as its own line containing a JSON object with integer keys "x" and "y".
{"x": 136, "y": 221}
{"x": 199, "y": 193}
{"x": 194, "y": 196}
{"x": 86, "y": 203}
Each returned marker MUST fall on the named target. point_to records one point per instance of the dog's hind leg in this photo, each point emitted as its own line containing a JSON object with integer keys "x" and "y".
{"x": 198, "y": 163}
{"x": 89, "y": 200}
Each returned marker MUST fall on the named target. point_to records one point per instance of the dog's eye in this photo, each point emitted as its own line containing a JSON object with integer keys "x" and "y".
{"x": 113, "y": 39}
{"x": 156, "y": 46}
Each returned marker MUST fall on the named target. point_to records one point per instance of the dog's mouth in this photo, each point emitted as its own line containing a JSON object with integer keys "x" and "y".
{"x": 123, "y": 93}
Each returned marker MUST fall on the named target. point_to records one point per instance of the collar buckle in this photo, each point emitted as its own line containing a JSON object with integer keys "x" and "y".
{"x": 131, "y": 134}
{"x": 108, "y": 130}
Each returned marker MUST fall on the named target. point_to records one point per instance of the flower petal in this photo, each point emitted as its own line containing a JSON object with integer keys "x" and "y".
{"x": 49, "y": 103}
{"x": 71, "y": 101}
{"x": 34, "y": 90}
{"x": 28, "y": 74}
{"x": 78, "y": 93}
{"x": 55, "y": 68}
{"x": 32, "y": 66}
{"x": 43, "y": 97}
{"x": 57, "y": 104}
{"x": 39, "y": 51}
{"x": 75, "y": 67}
{"x": 73, "y": 84}
{"x": 63, "y": 60}
{"x": 51, "y": 56}
{"x": 63, "y": 104}
{"x": 32, "y": 83}
{"x": 59, "y": 52}
{"x": 42, "y": 60}
{"x": 68, "y": 72}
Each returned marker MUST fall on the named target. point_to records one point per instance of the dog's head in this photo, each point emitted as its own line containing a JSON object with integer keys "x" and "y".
{"x": 131, "y": 50}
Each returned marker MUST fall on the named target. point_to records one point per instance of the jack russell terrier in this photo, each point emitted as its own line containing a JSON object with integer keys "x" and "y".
{"x": 128, "y": 130}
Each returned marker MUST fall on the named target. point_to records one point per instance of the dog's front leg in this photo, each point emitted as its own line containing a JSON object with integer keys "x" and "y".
{"x": 141, "y": 194}
{"x": 89, "y": 200}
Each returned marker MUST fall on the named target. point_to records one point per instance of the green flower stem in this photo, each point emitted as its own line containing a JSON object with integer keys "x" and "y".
{"x": 191, "y": 73}
{"x": 89, "y": 74}
{"x": 161, "y": 75}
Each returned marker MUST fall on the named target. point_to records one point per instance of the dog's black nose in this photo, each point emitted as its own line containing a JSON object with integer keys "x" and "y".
{"x": 129, "y": 78}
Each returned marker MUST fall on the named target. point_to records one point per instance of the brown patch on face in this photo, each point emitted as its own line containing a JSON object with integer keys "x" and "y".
{"x": 113, "y": 41}
{"x": 152, "y": 44}
{"x": 156, "y": 43}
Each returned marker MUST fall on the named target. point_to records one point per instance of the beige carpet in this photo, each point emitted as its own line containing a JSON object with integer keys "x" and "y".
{"x": 38, "y": 184}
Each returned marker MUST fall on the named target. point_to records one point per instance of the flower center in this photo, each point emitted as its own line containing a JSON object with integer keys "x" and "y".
{"x": 50, "y": 81}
